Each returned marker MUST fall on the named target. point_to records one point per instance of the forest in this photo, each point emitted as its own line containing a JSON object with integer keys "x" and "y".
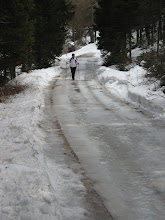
{"x": 32, "y": 33}
{"x": 127, "y": 24}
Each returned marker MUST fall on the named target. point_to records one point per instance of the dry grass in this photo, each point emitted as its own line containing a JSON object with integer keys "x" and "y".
{"x": 10, "y": 90}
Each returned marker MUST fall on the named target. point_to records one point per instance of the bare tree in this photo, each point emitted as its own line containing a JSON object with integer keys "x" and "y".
{"x": 84, "y": 19}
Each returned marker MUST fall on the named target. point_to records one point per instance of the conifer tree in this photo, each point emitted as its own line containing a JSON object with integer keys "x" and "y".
{"x": 16, "y": 34}
{"x": 32, "y": 33}
{"x": 52, "y": 17}
{"x": 117, "y": 20}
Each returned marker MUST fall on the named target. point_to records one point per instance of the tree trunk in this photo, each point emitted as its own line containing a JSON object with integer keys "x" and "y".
{"x": 130, "y": 45}
{"x": 164, "y": 30}
{"x": 159, "y": 36}
{"x": 124, "y": 49}
{"x": 141, "y": 36}
{"x": 137, "y": 37}
{"x": 158, "y": 40}
{"x": 147, "y": 29}
{"x": 152, "y": 34}
{"x": 12, "y": 72}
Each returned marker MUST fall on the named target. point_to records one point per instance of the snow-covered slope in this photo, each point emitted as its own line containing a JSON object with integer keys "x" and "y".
{"x": 40, "y": 177}
{"x": 133, "y": 87}
{"x": 25, "y": 190}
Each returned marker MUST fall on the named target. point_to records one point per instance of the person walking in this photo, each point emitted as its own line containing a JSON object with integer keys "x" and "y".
{"x": 73, "y": 65}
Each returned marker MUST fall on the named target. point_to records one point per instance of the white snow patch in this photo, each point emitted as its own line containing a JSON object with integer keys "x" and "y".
{"x": 133, "y": 87}
{"x": 87, "y": 52}
{"x": 90, "y": 49}
{"x": 30, "y": 187}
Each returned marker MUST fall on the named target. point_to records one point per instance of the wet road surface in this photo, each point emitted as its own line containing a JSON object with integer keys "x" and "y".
{"x": 121, "y": 149}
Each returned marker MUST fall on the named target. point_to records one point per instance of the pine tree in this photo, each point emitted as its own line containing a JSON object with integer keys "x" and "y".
{"x": 16, "y": 35}
{"x": 52, "y": 17}
{"x": 116, "y": 20}
{"x": 32, "y": 33}
{"x": 112, "y": 23}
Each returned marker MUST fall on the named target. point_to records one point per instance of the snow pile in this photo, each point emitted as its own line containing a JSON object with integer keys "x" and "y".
{"x": 38, "y": 78}
{"x": 85, "y": 51}
{"x": 36, "y": 180}
{"x": 25, "y": 189}
{"x": 88, "y": 53}
{"x": 133, "y": 87}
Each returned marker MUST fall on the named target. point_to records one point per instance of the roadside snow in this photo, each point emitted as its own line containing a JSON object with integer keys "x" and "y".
{"x": 25, "y": 189}
{"x": 133, "y": 87}
{"x": 39, "y": 177}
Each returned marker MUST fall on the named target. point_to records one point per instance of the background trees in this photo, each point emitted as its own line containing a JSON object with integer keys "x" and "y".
{"x": 126, "y": 24}
{"x": 83, "y": 21}
{"x": 16, "y": 35}
{"x": 32, "y": 33}
{"x": 52, "y": 17}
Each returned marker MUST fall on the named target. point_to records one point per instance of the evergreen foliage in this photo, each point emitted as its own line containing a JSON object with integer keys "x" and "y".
{"x": 32, "y": 33}
{"x": 52, "y": 17}
{"x": 117, "y": 22}
{"x": 154, "y": 64}
{"x": 16, "y": 34}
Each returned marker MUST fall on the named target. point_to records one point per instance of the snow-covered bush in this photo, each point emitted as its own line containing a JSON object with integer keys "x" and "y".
{"x": 154, "y": 64}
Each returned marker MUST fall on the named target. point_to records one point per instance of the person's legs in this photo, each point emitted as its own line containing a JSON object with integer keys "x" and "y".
{"x": 73, "y": 70}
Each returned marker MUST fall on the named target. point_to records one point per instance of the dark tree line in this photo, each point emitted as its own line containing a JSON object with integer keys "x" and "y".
{"x": 32, "y": 33}
{"x": 118, "y": 21}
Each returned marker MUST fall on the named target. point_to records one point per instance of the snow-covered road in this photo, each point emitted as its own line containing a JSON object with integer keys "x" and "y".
{"x": 121, "y": 149}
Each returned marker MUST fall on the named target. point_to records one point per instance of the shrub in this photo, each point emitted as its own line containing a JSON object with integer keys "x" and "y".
{"x": 10, "y": 90}
{"x": 154, "y": 64}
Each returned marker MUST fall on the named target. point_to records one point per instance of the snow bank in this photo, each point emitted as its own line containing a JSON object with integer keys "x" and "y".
{"x": 88, "y": 52}
{"x": 33, "y": 184}
{"x": 133, "y": 87}
{"x": 38, "y": 78}
{"x": 85, "y": 51}
{"x": 25, "y": 189}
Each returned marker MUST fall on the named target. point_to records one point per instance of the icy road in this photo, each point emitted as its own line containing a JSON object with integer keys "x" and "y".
{"x": 121, "y": 149}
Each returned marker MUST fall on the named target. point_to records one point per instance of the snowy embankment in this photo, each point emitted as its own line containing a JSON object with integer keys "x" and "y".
{"x": 36, "y": 180}
{"x": 25, "y": 190}
{"x": 133, "y": 87}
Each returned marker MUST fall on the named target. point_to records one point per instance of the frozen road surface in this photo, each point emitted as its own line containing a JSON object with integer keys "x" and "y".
{"x": 121, "y": 149}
